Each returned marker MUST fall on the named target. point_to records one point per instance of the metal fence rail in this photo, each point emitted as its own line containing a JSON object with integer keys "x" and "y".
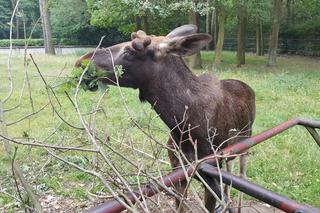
{"x": 256, "y": 191}
{"x": 307, "y": 47}
{"x": 285, "y": 204}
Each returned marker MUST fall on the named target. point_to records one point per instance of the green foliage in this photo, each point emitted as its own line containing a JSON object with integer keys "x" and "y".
{"x": 65, "y": 21}
{"x": 121, "y": 14}
{"x": 72, "y": 27}
{"x": 27, "y": 15}
{"x": 304, "y": 23}
{"x": 5, "y": 15}
{"x": 259, "y": 9}
{"x": 113, "y": 14}
{"x": 308, "y": 29}
{"x": 90, "y": 77}
{"x": 118, "y": 70}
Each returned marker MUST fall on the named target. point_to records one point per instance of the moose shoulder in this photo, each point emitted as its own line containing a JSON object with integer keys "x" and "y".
{"x": 195, "y": 108}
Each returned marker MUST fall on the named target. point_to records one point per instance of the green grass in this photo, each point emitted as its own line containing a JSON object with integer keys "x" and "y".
{"x": 288, "y": 164}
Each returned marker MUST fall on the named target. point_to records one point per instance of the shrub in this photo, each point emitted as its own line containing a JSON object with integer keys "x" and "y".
{"x": 21, "y": 42}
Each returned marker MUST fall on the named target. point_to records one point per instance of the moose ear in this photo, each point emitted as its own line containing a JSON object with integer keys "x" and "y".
{"x": 183, "y": 30}
{"x": 185, "y": 45}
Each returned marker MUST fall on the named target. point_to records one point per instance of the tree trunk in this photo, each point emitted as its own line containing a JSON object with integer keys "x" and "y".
{"x": 222, "y": 16}
{"x": 145, "y": 24}
{"x": 241, "y": 36}
{"x": 15, "y": 20}
{"x": 259, "y": 37}
{"x": 213, "y": 31}
{"x": 273, "y": 44}
{"x": 46, "y": 27}
{"x": 289, "y": 12}
{"x": 215, "y": 16}
{"x": 17, "y": 27}
{"x": 195, "y": 60}
{"x": 208, "y": 26}
{"x": 138, "y": 23}
{"x": 292, "y": 11}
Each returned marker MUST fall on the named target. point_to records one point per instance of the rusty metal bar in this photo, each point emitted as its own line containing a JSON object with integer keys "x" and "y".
{"x": 178, "y": 175}
{"x": 262, "y": 194}
{"x": 314, "y": 134}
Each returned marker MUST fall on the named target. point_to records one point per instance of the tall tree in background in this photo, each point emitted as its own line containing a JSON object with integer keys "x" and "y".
{"x": 222, "y": 16}
{"x": 259, "y": 37}
{"x": 146, "y": 24}
{"x": 16, "y": 19}
{"x": 289, "y": 8}
{"x": 260, "y": 13}
{"x": 195, "y": 60}
{"x": 210, "y": 24}
{"x": 46, "y": 27}
{"x": 241, "y": 35}
{"x": 273, "y": 43}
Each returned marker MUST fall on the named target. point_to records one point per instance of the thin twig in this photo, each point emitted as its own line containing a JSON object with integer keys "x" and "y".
{"x": 47, "y": 145}
{"x": 27, "y": 116}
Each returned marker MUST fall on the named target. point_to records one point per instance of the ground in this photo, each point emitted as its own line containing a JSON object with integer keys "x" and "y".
{"x": 287, "y": 164}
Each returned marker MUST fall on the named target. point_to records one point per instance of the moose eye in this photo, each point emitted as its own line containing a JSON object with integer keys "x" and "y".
{"x": 128, "y": 54}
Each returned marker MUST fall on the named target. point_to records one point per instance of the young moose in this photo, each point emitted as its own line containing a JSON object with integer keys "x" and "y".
{"x": 198, "y": 109}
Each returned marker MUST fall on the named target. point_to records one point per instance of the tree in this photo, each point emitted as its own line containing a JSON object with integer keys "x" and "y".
{"x": 259, "y": 12}
{"x": 222, "y": 16}
{"x": 273, "y": 43}
{"x": 195, "y": 60}
{"x": 241, "y": 35}
{"x": 210, "y": 24}
{"x": 259, "y": 38}
{"x": 46, "y": 27}
{"x": 16, "y": 18}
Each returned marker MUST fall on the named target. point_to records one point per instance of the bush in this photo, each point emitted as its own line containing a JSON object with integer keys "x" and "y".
{"x": 37, "y": 42}
{"x": 21, "y": 42}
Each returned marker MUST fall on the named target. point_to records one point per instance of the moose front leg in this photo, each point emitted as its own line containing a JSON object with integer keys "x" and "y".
{"x": 180, "y": 188}
{"x": 209, "y": 200}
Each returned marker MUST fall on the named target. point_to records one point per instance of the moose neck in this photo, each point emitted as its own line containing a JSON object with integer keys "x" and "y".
{"x": 171, "y": 90}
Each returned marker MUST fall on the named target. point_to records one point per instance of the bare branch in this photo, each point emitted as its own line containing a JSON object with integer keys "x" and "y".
{"x": 48, "y": 145}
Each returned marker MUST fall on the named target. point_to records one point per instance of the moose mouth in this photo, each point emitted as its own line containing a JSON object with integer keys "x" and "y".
{"x": 94, "y": 78}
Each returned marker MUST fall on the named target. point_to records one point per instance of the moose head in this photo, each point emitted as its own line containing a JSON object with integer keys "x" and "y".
{"x": 145, "y": 55}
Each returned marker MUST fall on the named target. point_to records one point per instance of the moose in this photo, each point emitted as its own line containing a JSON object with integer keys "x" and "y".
{"x": 200, "y": 111}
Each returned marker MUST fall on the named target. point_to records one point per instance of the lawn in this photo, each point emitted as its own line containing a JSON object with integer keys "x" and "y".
{"x": 288, "y": 164}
